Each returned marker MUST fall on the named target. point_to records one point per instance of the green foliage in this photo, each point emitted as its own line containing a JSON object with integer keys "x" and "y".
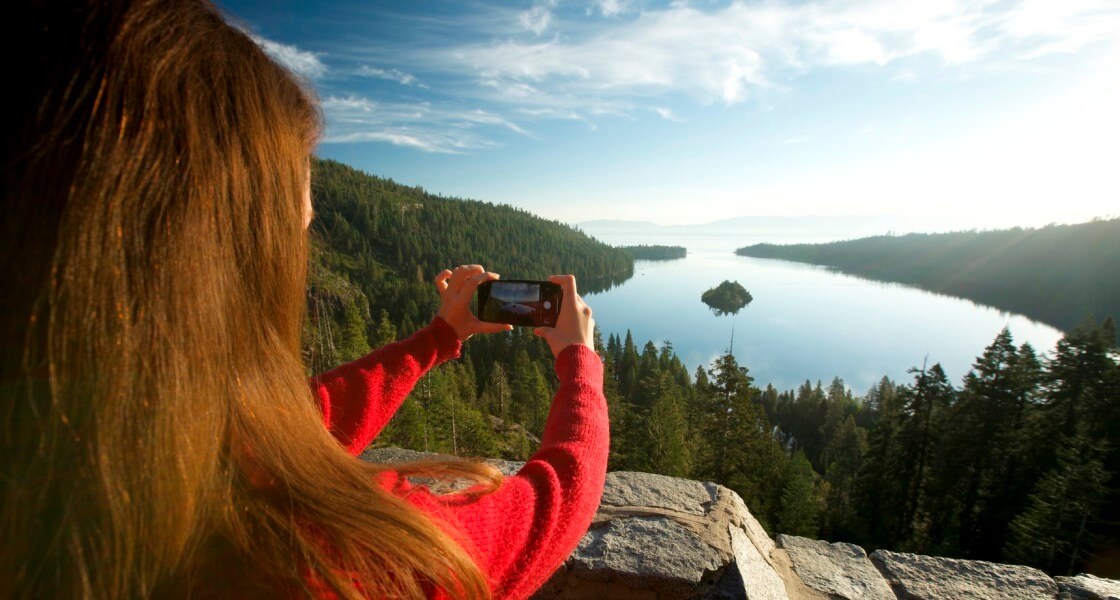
{"x": 655, "y": 252}
{"x": 668, "y": 451}
{"x": 800, "y": 502}
{"x": 377, "y": 244}
{"x": 1016, "y": 464}
{"x": 1059, "y": 274}
{"x": 845, "y": 451}
{"x": 726, "y": 298}
{"x": 1054, "y": 532}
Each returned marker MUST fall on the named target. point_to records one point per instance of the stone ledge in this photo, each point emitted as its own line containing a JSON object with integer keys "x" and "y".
{"x": 836, "y": 570}
{"x": 656, "y": 537}
{"x": 1088, "y": 587}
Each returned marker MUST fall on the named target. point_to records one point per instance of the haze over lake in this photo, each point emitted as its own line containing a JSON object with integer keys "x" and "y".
{"x": 805, "y": 322}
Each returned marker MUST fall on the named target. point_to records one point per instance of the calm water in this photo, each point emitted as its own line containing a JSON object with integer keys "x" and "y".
{"x": 805, "y": 322}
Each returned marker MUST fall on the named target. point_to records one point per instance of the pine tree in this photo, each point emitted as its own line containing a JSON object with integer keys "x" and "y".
{"x": 846, "y": 450}
{"x": 385, "y": 333}
{"x": 920, "y": 431}
{"x": 1053, "y": 532}
{"x": 667, "y": 432}
{"x": 800, "y": 506}
{"x": 879, "y": 496}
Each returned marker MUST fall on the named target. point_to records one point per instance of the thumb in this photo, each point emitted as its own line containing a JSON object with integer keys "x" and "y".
{"x": 494, "y": 327}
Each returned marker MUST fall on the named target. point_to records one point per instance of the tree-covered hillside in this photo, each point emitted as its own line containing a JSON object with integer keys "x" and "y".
{"x": 1059, "y": 274}
{"x": 655, "y": 252}
{"x": 1019, "y": 461}
{"x": 377, "y": 245}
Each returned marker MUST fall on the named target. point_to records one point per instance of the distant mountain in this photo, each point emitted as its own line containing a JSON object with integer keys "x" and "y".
{"x": 787, "y": 229}
{"x": 821, "y": 227}
{"x": 596, "y": 223}
{"x": 761, "y": 228}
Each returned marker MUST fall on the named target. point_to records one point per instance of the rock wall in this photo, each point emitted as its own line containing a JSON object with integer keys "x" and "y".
{"x": 658, "y": 537}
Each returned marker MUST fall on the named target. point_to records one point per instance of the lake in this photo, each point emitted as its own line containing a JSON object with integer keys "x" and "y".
{"x": 805, "y": 322}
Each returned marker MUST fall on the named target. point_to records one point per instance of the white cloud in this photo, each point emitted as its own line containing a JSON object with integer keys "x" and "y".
{"x": 736, "y": 52}
{"x": 546, "y": 63}
{"x": 390, "y": 74}
{"x": 610, "y": 8}
{"x": 302, "y": 62}
{"x": 666, "y": 113}
{"x": 415, "y": 125}
{"x": 536, "y": 19}
{"x": 348, "y": 103}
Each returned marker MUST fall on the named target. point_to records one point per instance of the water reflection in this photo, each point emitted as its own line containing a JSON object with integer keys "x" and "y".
{"x": 805, "y": 323}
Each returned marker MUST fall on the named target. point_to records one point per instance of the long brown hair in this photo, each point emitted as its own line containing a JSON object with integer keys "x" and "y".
{"x": 157, "y": 434}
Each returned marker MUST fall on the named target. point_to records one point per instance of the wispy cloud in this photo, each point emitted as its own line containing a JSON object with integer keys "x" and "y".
{"x": 388, "y": 74}
{"x": 416, "y": 125}
{"x": 303, "y": 62}
{"x": 737, "y": 51}
{"x": 607, "y": 59}
{"x": 610, "y": 8}
{"x": 666, "y": 113}
{"x": 536, "y": 19}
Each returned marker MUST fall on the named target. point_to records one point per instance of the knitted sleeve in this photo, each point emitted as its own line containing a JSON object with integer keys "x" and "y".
{"x": 358, "y": 398}
{"x": 521, "y": 533}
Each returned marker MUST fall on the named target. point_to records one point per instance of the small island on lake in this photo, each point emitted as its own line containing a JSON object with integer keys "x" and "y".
{"x": 727, "y": 298}
{"x": 655, "y": 252}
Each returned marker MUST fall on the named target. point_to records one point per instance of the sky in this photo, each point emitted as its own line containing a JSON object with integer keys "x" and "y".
{"x": 988, "y": 113}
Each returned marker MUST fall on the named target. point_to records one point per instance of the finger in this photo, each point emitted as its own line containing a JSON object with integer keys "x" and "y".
{"x": 441, "y": 280}
{"x": 543, "y": 332}
{"x": 568, "y": 282}
{"x": 462, "y": 274}
{"x": 485, "y": 327}
{"x": 472, "y": 283}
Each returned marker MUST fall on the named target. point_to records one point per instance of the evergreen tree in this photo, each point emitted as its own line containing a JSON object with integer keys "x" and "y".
{"x": 667, "y": 432}
{"x": 385, "y": 333}
{"x": 800, "y": 505}
{"x": 530, "y": 394}
{"x": 879, "y": 497}
{"x": 1053, "y": 533}
{"x": 846, "y": 450}
{"x": 920, "y": 432}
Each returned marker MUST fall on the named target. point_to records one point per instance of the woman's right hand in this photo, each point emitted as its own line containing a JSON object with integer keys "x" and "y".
{"x": 574, "y": 325}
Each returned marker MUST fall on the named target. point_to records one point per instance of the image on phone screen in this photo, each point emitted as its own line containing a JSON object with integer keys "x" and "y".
{"x": 519, "y": 302}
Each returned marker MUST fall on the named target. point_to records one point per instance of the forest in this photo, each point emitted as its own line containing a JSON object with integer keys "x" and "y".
{"x": 655, "y": 252}
{"x": 1016, "y": 462}
{"x": 376, "y": 245}
{"x": 1058, "y": 274}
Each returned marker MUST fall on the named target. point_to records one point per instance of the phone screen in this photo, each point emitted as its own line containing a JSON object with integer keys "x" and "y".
{"x": 520, "y": 302}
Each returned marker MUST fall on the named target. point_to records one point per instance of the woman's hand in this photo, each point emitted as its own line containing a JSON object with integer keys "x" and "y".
{"x": 574, "y": 325}
{"x": 456, "y": 288}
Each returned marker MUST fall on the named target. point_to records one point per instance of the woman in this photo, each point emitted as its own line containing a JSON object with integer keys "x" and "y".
{"x": 158, "y": 435}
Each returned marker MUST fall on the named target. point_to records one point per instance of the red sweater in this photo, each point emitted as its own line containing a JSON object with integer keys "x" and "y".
{"x": 522, "y": 532}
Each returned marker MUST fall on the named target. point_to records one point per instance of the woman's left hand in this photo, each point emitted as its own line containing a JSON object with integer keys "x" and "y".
{"x": 456, "y": 288}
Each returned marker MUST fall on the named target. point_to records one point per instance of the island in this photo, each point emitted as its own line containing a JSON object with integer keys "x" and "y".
{"x": 727, "y": 298}
{"x": 654, "y": 252}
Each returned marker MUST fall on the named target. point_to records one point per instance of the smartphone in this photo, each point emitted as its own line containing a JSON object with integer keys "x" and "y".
{"x": 520, "y": 302}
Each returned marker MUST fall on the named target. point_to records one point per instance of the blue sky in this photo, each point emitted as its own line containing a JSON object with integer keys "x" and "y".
{"x": 982, "y": 112}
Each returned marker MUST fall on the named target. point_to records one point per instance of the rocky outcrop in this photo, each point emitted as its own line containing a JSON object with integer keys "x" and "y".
{"x": 836, "y": 570}
{"x": 930, "y": 578}
{"x": 663, "y": 537}
{"x": 1088, "y": 587}
{"x": 656, "y": 537}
